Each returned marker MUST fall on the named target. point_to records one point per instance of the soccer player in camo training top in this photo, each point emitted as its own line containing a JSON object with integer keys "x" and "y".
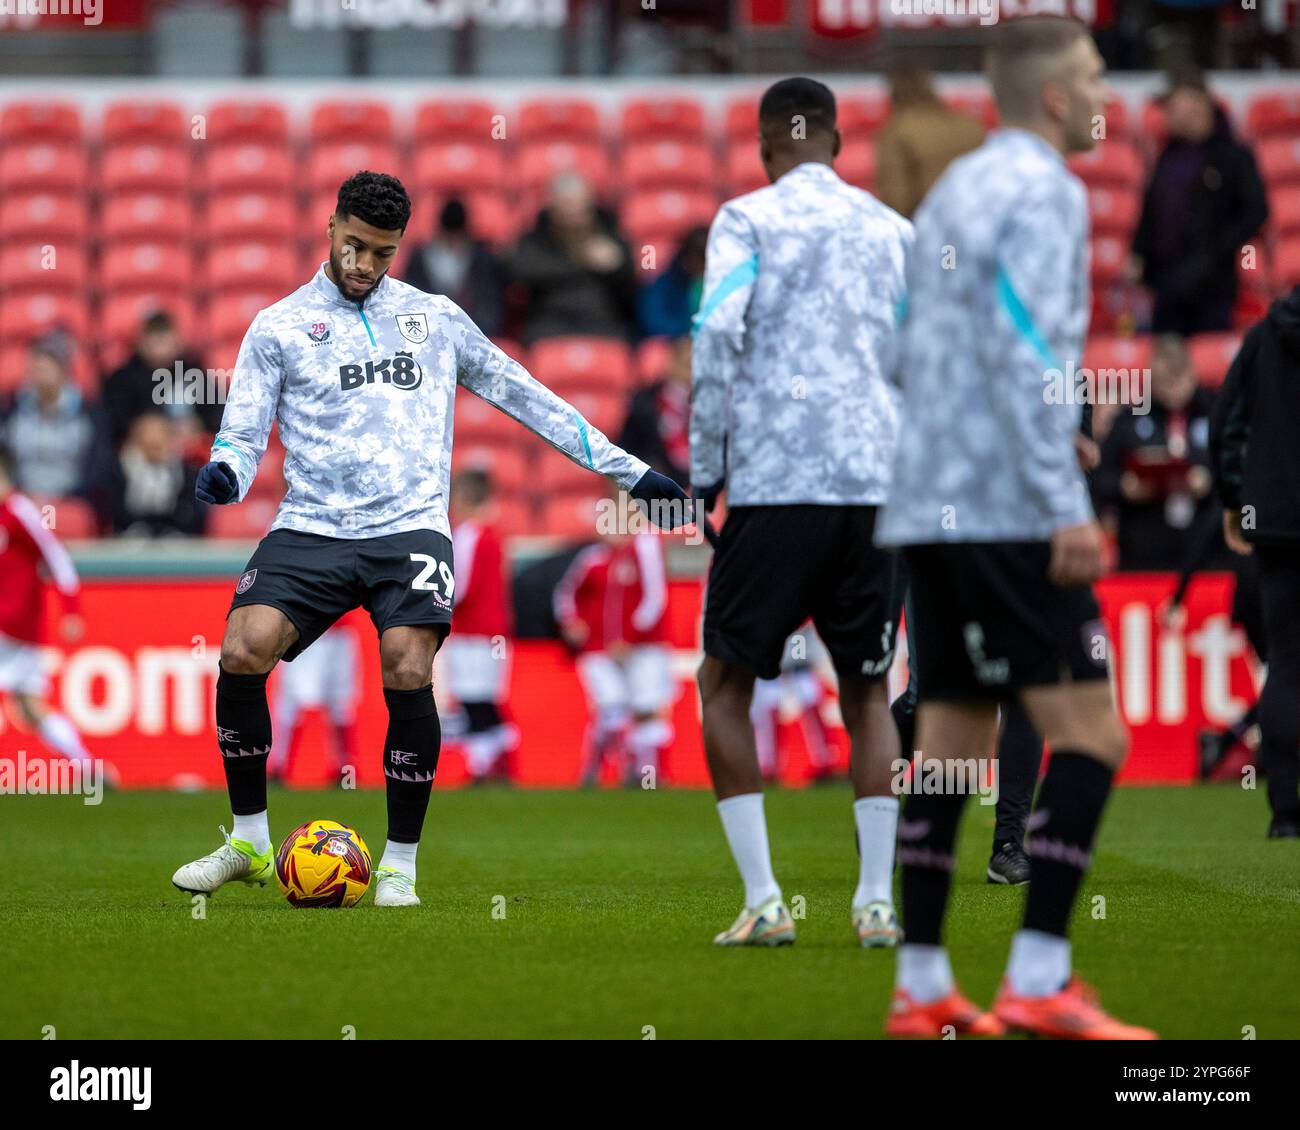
{"x": 360, "y": 372}
{"x": 1001, "y": 543}
{"x": 794, "y": 416}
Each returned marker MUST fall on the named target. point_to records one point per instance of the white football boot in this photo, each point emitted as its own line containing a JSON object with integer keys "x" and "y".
{"x": 877, "y": 925}
{"x": 766, "y": 925}
{"x": 233, "y": 860}
{"x": 393, "y": 888}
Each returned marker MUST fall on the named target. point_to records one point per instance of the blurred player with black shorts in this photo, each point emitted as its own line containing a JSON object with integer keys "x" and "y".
{"x": 794, "y": 416}
{"x": 1001, "y": 542}
{"x": 360, "y": 372}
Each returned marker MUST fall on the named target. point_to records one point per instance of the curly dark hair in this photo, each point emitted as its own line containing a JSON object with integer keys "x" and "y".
{"x": 376, "y": 199}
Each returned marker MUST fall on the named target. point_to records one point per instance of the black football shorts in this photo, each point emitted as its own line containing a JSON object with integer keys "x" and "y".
{"x": 777, "y": 566}
{"x": 405, "y": 578}
{"x": 986, "y": 621}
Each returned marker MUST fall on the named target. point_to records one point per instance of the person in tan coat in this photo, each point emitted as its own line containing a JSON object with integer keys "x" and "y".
{"x": 920, "y": 138}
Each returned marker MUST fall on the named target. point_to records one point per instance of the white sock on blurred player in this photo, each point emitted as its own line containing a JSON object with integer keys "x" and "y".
{"x": 254, "y": 829}
{"x": 60, "y": 734}
{"x": 746, "y": 828}
{"x": 924, "y": 972}
{"x": 400, "y": 857}
{"x": 1039, "y": 965}
{"x": 877, "y": 820}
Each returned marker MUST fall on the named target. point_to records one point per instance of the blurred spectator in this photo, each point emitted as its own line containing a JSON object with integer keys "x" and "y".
{"x": 57, "y": 439}
{"x": 666, "y": 305}
{"x": 152, "y": 486}
{"x": 456, "y": 264}
{"x": 921, "y": 137}
{"x": 1185, "y": 31}
{"x": 1204, "y": 201}
{"x": 130, "y": 390}
{"x": 657, "y": 425}
{"x": 1153, "y": 485}
{"x": 577, "y": 266}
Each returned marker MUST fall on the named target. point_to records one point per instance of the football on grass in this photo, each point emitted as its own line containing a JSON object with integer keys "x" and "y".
{"x": 323, "y": 863}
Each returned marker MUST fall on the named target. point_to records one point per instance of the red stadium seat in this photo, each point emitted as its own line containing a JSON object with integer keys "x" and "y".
{"x": 652, "y": 359}
{"x": 1117, "y": 353}
{"x": 70, "y": 518}
{"x": 1110, "y": 163}
{"x": 245, "y": 122}
{"x": 146, "y": 215}
{"x": 222, "y": 354}
{"x": 477, "y": 421}
{"x": 1117, "y": 120}
{"x": 43, "y": 167}
{"x": 539, "y": 162}
{"x": 654, "y": 253}
{"x": 330, "y": 165}
{"x": 122, "y": 315}
{"x": 230, "y": 315}
{"x": 154, "y": 123}
{"x": 558, "y": 119}
{"x": 1109, "y": 258}
{"x": 456, "y": 119}
{"x": 740, "y": 121}
{"x": 491, "y": 216}
{"x": 1286, "y": 263}
{"x": 1212, "y": 355}
{"x": 144, "y": 167}
{"x": 245, "y": 522}
{"x": 572, "y": 516}
{"x": 241, "y": 264}
{"x": 975, "y": 104}
{"x": 605, "y": 409}
{"x": 250, "y": 168}
{"x": 667, "y": 164}
{"x": 44, "y": 121}
{"x": 509, "y": 464}
{"x": 515, "y": 516}
{"x": 13, "y": 366}
{"x": 744, "y": 168}
{"x": 568, "y": 363}
{"x": 1284, "y": 210}
{"x": 459, "y": 166}
{"x": 1279, "y": 160}
{"x": 512, "y": 349}
{"x": 1274, "y": 114}
{"x": 662, "y": 119}
{"x": 43, "y": 267}
{"x": 244, "y": 216}
{"x": 1114, "y": 210}
{"x": 43, "y": 216}
{"x": 349, "y": 120}
{"x": 861, "y": 115}
{"x": 666, "y": 214}
{"x": 28, "y": 315}
{"x": 129, "y": 268}
{"x": 856, "y": 163}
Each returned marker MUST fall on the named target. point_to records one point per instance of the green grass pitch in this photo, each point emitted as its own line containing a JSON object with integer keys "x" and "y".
{"x": 610, "y": 901}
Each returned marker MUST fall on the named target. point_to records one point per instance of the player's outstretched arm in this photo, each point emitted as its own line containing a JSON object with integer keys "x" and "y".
{"x": 505, "y": 384}
{"x": 251, "y": 402}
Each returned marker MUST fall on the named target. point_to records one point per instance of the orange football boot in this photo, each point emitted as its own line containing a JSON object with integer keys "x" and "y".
{"x": 931, "y": 1021}
{"x": 1074, "y": 1013}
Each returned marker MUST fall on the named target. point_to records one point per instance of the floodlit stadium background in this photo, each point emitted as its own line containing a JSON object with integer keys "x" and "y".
{"x": 185, "y": 157}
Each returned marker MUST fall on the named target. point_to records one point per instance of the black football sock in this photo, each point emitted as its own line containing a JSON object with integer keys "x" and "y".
{"x": 411, "y": 750}
{"x": 927, "y": 831}
{"x": 1061, "y": 834}
{"x": 1020, "y": 753}
{"x": 244, "y": 738}
{"x": 903, "y": 708}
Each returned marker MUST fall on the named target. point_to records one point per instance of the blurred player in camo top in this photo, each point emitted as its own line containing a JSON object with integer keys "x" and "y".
{"x": 794, "y": 416}
{"x": 1002, "y": 546}
{"x": 360, "y": 373}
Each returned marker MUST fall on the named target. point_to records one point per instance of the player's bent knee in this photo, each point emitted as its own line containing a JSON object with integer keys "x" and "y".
{"x": 248, "y": 654}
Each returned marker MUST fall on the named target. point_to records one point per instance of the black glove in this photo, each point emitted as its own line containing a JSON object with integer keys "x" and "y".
{"x": 708, "y": 496}
{"x": 652, "y": 487}
{"x": 216, "y": 484}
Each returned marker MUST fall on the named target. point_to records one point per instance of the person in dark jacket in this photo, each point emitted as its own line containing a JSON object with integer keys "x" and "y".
{"x": 1153, "y": 485}
{"x": 657, "y": 425}
{"x": 461, "y": 267}
{"x": 1256, "y": 461}
{"x": 1205, "y": 200}
{"x": 577, "y": 267}
{"x": 136, "y": 386}
{"x": 666, "y": 305}
{"x": 152, "y": 487}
